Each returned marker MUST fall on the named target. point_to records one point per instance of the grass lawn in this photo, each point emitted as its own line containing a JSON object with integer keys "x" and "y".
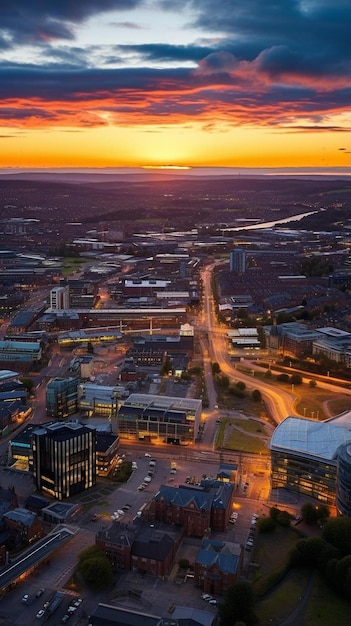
{"x": 71, "y": 265}
{"x": 272, "y": 550}
{"x": 322, "y": 608}
{"x": 234, "y": 439}
{"x": 325, "y": 608}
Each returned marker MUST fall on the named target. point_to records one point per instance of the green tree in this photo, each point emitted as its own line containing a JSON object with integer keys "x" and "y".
{"x": 274, "y": 513}
{"x": 238, "y": 605}
{"x": 256, "y": 395}
{"x": 266, "y": 524}
{"x": 284, "y": 518}
{"x": 296, "y": 379}
{"x": 309, "y": 513}
{"x": 28, "y": 384}
{"x": 215, "y": 368}
{"x": 241, "y": 385}
{"x": 323, "y": 513}
{"x": 95, "y": 568}
{"x": 337, "y": 531}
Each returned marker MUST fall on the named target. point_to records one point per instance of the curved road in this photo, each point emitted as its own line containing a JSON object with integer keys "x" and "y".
{"x": 213, "y": 338}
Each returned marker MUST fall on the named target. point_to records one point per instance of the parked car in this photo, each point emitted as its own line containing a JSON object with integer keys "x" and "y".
{"x": 40, "y": 614}
{"x": 25, "y": 598}
{"x": 65, "y": 618}
{"x": 147, "y": 455}
{"x": 206, "y": 596}
{"x": 147, "y": 479}
{"x": 213, "y": 602}
{"x": 40, "y": 592}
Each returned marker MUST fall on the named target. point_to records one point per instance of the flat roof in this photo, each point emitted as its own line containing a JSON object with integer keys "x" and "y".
{"x": 165, "y": 402}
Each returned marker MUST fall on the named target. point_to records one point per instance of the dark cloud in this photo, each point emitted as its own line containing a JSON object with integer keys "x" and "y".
{"x": 271, "y": 62}
{"x": 30, "y": 21}
{"x": 314, "y": 30}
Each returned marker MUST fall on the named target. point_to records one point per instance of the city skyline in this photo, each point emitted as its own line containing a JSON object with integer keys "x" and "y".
{"x": 141, "y": 84}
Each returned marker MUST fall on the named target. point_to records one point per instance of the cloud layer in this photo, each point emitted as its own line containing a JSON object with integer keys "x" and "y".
{"x": 279, "y": 64}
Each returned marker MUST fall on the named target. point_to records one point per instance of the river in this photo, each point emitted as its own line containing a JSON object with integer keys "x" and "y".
{"x": 261, "y": 225}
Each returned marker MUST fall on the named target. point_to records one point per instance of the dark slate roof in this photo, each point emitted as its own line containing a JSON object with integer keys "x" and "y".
{"x": 105, "y": 615}
{"x": 119, "y": 534}
{"x": 153, "y": 544}
{"x": 182, "y": 496}
{"x": 224, "y": 555}
{"x": 104, "y": 441}
{"x": 36, "y": 502}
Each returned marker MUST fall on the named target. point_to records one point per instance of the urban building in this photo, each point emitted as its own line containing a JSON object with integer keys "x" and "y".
{"x": 153, "y": 418}
{"x": 23, "y": 526}
{"x": 64, "y": 458}
{"x": 343, "y": 480}
{"x": 98, "y": 400}
{"x": 61, "y": 397}
{"x": 196, "y": 509}
{"x": 60, "y": 513}
{"x": 59, "y": 298}
{"x": 218, "y": 566}
{"x": 150, "y": 549}
{"x": 293, "y": 339}
{"x": 21, "y": 354}
{"x": 237, "y": 260}
{"x": 312, "y": 458}
{"x": 334, "y": 344}
{"x": 107, "y": 445}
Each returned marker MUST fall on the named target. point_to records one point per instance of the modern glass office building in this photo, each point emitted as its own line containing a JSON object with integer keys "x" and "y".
{"x": 159, "y": 419}
{"x": 64, "y": 458}
{"x": 62, "y": 397}
{"x": 343, "y": 480}
{"x": 308, "y": 457}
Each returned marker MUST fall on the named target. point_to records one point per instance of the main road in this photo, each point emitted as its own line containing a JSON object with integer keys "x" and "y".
{"x": 213, "y": 337}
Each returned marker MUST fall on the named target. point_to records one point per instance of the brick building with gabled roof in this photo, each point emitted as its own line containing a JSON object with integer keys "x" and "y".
{"x": 196, "y": 509}
{"x": 218, "y": 566}
{"x": 150, "y": 548}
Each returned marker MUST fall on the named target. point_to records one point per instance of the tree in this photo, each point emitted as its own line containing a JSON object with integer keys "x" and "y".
{"x": 256, "y": 395}
{"x": 95, "y": 567}
{"x": 284, "y": 518}
{"x": 266, "y": 524}
{"x": 296, "y": 379}
{"x": 238, "y": 605}
{"x": 215, "y": 368}
{"x": 323, "y": 513}
{"x": 337, "y": 531}
{"x": 309, "y": 513}
{"x": 28, "y": 384}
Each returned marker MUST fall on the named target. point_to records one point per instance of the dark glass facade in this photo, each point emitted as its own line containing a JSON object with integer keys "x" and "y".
{"x": 62, "y": 397}
{"x": 314, "y": 477}
{"x": 64, "y": 459}
{"x": 343, "y": 485}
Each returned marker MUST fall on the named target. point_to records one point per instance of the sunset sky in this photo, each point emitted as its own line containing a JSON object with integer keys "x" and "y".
{"x": 221, "y": 83}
